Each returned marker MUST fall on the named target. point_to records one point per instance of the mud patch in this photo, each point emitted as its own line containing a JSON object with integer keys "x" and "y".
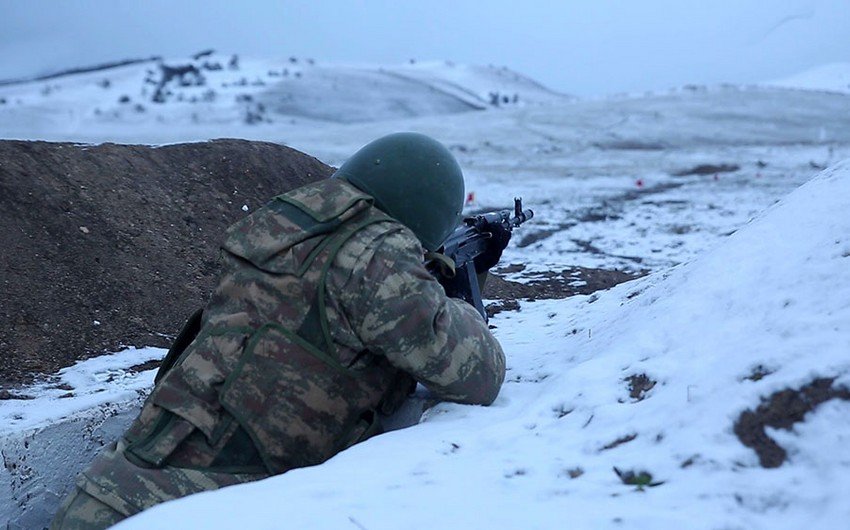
{"x": 555, "y": 284}
{"x": 495, "y": 308}
{"x": 707, "y": 169}
{"x": 588, "y": 247}
{"x": 618, "y": 442}
{"x": 574, "y": 472}
{"x": 639, "y": 385}
{"x": 630, "y": 145}
{"x": 144, "y": 367}
{"x": 782, "y": 410}
{"x": 510, "y": 269}
{"x": 598, "y": 216}
{"x": 5, "y": 395}
{"x": 532, "y": 237}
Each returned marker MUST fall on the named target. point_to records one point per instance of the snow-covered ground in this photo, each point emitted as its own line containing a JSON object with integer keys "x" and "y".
{"x": 774, "y": 298}
{"x": 117, "y": 377}
{"x": 833, "y": 77}
{"x": 733, "y": 310}
{"x": 220, "y": 92}
{"x": 53, "y": 429}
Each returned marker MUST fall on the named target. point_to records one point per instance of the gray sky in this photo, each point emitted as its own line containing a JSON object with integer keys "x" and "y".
{"x": 583, "y": 47}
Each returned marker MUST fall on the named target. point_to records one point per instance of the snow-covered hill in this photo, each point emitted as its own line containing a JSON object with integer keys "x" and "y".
{"x": 833, "y": 77}
{"x": 650, "y": 377}
{"x": 221, "y": 91}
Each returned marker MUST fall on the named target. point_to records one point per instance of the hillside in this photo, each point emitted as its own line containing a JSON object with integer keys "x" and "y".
{"x": 217, "y": 90}
{"x": 833, "y": 77}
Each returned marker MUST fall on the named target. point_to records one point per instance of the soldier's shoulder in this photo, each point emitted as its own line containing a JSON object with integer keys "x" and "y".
{"x": 390, "y": 236}
{"x": 387, "y": 241}
{"x": 329, "y": 196}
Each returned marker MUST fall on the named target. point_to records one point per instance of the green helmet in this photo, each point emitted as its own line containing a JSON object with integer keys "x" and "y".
{"x": 413, "y": 178}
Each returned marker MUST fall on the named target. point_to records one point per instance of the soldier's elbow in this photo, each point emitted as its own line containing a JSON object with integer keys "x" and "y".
{"x": 488, "y": 398}
{"x": 492, "y": 392}
{"x": 487, "y": 386}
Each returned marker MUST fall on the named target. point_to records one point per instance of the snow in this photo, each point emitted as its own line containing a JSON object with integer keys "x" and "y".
{"x": 78, "y": 388}
{"x": 256, "y": 92}
{"x": 742, "y": 275}
{"x": 53, "y": 429}
{"x": 833, "y": 77}
{"x": 816, "y": 443}
{"x": 697, "y": 329}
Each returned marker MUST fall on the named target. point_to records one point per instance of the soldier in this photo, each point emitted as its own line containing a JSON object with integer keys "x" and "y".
{"x": 324, "y": 319}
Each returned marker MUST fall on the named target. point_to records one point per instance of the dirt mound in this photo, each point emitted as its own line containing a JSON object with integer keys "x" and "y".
{"x": 114, "y": 245}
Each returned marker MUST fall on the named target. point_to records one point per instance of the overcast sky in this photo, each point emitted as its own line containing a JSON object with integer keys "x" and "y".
{"x": 584, "y": 47}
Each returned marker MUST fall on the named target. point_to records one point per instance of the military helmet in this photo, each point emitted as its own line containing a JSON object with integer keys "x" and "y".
{"x": 413, "y": 178}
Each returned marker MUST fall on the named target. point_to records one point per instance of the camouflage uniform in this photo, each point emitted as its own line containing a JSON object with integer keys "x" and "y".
{"x": 325, "y": 318}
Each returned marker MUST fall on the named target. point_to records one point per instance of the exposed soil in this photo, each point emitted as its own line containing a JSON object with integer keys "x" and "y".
{"x": 113, "y": 245}
{"x": 555, "y": 284}
{"x": 609, "y": 209}
{"x": 782, "y": 410}
{"x": 618, "y": 442}
{"x": 531, "y": 238}
{"x": 630, "y": 145}
{"x": 707, "y": 169}
{"x": 639, "y": 385}
{"x": 547, "y": 285}
{"x": 494, "y": 308}
{"x": 758, "y": 373}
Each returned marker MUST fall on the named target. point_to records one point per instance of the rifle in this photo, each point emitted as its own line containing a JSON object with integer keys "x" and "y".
{"x": 467, "y": 242}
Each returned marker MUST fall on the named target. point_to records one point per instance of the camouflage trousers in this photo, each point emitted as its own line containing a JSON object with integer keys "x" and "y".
{"x": 81, "y": 511}
{"x": 113, "y": 488}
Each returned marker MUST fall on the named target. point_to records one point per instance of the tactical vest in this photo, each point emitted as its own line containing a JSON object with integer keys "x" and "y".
{"x": 263, "y": 387}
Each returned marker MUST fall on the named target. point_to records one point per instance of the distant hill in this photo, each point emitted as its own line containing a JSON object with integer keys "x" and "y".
{"x": 210, "y": 89}
{"x": 834, "y": 77}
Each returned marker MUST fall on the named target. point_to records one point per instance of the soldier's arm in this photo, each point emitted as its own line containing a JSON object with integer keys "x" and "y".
{"x": 405, "y": 315}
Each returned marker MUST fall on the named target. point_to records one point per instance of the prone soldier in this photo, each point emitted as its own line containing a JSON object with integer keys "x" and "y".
{"x": 324, "y": 319}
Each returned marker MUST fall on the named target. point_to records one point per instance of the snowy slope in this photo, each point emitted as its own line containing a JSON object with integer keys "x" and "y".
{"x": 222, "y": 91}
{"x": 543, "y": 455}
{"x": 479, "y": 85}
{"x": 833, "y": 77}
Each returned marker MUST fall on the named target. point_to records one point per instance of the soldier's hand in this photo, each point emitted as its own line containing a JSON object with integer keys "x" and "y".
{"x": 499, "y": 238}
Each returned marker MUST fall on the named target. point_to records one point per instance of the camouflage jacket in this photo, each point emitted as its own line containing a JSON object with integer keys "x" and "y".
{"x": 324, "y": 317}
